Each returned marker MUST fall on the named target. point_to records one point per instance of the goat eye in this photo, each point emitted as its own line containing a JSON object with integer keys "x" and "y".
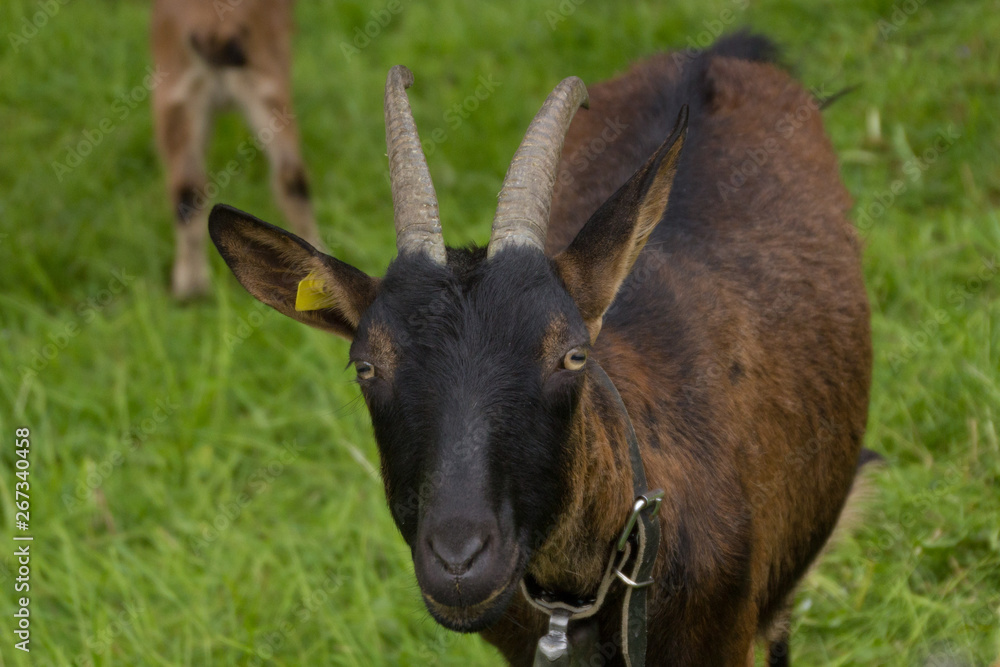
{"x": 575, "y": 359}
{"x": 365, "y": 370}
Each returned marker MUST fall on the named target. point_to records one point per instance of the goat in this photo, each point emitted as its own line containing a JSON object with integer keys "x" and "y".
{"x": 730, "y": 313}
{"x": 215, "y": 54}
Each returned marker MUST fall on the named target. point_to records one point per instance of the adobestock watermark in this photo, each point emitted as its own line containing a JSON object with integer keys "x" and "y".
{"x": 257, "y": 483}
{"x": 797, "y": 461}
{"x": 585, "y": 155}
{"x": 562, "y": 11}
{"x": 103, "y": 642}
{"x": 713, "y": 29}
{"x": 131, "y": 439}
{"x": 224, "y": 7}
{"x": 246, "y": 326}
{"x": 456, "y": 115}
{"x": 429, "y": 314}
{"x": 918, "y": 340}
{"x": 459, "y": 112}
{"x": 921, "y": 506}
{"x": 985, "y": 618}
{"x": 333, "y": 240}
{"x": 947, "y": 654}
{"x": 649, "y": 266}
{"x": 363, "y": 35}
{"x": 267, "y": 645}
{"x": 430, "y": 652}
{"x": 86, "y": 311}
{"x": 470, "y": 445}
{"x": 759, "y": 156}
{"x": 913, "y": 170}
{"x": 246, "y": 152}
{"x": 901, "y": 13}
{"x": 29, "y": 26}
{"x": 122, "y": 106}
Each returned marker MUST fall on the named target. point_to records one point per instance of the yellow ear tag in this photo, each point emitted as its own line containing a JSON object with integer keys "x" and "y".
{"x": 312, "y": 294}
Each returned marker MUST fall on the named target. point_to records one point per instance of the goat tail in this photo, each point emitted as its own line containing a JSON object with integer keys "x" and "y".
{"x": 861, "y": 492}
{"x": 219, "y": 49}
{"x": 867, "y": 456}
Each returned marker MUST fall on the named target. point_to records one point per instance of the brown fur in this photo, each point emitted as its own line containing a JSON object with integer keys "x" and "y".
{"x": 751, "y": 420}
{"x": 737, "y": 334}
{"x": 213, "y": 55}
{"x": 383, "y": 349}
{"x": 574, "y": 556}
{"x": 594, "y": 267}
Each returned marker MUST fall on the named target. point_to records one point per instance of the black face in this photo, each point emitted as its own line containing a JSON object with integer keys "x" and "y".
{"x": 472, "y": 373}
{"x": 472, "y": 369}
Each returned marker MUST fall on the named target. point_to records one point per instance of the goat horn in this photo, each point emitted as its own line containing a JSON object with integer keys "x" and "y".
{"x": 414, "y": 202}
{"x": 522, "y": 216}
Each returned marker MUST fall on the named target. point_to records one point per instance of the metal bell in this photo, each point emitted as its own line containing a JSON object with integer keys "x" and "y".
{"x": 553, "y": 648}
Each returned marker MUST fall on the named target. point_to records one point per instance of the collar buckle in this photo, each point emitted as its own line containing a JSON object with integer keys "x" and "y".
{"x": 640, "y": 537}
{"x": 650, "y": 500}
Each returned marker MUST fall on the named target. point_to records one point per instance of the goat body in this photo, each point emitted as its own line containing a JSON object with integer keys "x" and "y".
{"x": 740, "y": 344}
{"x": 720, "y": 288}
{"x": 213, "y": 55}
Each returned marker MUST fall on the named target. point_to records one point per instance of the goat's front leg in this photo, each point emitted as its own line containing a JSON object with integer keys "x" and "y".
{"x": 266, "y": 101}
{"x": 182, "y": 116}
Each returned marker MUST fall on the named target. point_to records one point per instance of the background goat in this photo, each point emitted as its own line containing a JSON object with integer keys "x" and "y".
{"x": 729, "y": 312}
{"x": 215, "y": 54}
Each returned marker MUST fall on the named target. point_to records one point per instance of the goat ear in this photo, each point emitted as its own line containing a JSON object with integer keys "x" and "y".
{"x": 288, "y": 274}
{"x": 601, "y": 256}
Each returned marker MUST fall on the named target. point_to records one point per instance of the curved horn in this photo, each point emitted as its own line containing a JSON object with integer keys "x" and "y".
{"x": 522, "y": 216}
{"x": 414, "y": 202}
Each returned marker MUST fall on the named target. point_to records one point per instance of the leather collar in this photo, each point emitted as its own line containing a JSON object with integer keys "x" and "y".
{"x": 631, "y": 563}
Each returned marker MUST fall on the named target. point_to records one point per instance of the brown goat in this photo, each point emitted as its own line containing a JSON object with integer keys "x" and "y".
{"x": 738, "y": 337}
{"x": 213, "y": 55}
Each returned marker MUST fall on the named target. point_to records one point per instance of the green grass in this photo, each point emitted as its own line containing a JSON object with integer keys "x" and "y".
{"x": 202, "y": 477}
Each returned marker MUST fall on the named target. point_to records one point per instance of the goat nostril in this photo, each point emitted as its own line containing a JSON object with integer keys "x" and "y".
{"x": 457, "y": 554}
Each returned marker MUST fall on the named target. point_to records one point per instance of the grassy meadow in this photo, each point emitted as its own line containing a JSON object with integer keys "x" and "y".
{"x": 203, "y": 479}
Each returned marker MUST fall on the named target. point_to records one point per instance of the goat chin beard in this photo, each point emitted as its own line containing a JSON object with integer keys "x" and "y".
{"x": 484, "y": 613}
{"x": 556, "y": 567}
